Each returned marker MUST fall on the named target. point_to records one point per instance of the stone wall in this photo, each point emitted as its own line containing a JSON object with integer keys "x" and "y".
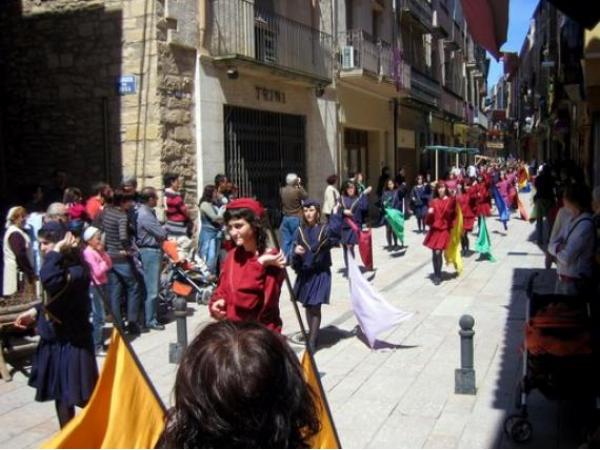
{"x": 59, "y": 107}
{"x": 60, "y": 66}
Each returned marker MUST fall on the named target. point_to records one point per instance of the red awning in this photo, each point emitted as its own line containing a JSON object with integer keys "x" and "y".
{"x": 488, "y": 23}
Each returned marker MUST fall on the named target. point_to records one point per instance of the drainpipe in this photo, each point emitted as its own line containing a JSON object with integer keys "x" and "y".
{"x": 395, "y": 50}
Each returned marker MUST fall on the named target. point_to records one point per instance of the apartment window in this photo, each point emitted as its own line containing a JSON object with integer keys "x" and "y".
{"x": 349, "y": 14}
{"x": 375, "y": 24}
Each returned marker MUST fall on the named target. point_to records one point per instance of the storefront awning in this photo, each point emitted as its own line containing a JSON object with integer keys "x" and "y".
{"x": 487, "y": 21}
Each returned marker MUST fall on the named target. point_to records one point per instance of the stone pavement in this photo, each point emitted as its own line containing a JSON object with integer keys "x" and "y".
{"x": 402, "y": 394}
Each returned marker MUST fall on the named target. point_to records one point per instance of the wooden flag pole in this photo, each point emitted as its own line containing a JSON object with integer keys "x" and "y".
{"x": 117, "y": 326}
{"x": 309, "y": 350}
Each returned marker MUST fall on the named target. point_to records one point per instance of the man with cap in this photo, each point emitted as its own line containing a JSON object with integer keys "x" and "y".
{"x": 291, "y": 205}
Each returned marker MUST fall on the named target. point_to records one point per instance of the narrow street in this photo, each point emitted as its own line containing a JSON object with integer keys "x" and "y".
{"x": 402, "y": 394}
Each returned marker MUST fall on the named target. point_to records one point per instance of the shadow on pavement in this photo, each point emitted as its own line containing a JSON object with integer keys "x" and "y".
{"x": 556, "y": 423}
{"x": 379, "y": 345}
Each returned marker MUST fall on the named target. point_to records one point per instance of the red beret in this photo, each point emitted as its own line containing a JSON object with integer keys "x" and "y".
{"x": 440, "y": 183}
{"x": 249, "y": 203}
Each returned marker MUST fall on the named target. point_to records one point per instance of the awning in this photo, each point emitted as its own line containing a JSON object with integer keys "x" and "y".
{"x": 587, "y": 15}
{"x": 487, "y": 21}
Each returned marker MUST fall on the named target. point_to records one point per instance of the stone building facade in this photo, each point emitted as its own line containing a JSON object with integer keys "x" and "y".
{"x": 94, "y": 88}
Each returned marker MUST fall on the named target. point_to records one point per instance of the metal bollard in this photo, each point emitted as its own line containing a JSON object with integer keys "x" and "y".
{"x": 464, "y": 378}
{"x": 176, "y": 349}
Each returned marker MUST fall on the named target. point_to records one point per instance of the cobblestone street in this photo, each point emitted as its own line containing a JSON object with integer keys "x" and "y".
{"x": 401, "y": 395}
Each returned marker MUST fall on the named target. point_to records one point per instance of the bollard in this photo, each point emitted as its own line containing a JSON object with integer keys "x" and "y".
{"x": 176, "y": 349}
{"x": 464, "y": 378}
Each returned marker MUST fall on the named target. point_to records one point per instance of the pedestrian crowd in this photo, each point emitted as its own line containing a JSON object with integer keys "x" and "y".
{"x": 104, "y": 253}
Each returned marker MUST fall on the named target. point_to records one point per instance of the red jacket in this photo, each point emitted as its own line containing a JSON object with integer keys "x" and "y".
{"x": 444, "y": 211}
{"x": 251, "y": 291}
{"x": 176, "y": 209}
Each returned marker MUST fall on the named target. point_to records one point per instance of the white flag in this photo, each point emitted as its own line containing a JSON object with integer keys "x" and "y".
{"x": 373, "y": 313}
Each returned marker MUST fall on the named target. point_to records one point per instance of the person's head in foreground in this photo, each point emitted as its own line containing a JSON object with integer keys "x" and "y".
{"x": 239, "y": 385}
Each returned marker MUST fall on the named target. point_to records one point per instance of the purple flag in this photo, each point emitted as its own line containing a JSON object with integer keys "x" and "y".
{"x": 373, "y": 313}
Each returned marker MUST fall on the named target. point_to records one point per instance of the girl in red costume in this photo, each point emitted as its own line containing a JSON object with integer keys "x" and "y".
{"x": 467, "y": 199}
{"x": 250, "y": 281}
{"x": 484, "y": 198}
{"x": 440, "y": 217}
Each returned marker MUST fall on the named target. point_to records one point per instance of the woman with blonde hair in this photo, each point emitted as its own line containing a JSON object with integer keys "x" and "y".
{"x": 18, "y": 253}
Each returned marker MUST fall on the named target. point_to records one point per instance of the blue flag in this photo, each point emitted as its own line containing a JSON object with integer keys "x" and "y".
{"x": 501, "y": 205}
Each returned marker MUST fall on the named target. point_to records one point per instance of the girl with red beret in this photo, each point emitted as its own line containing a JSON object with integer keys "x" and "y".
{"x": 440, "y": 217}
{"x": 466, "y": 196}
{"x": 250, "y": 281}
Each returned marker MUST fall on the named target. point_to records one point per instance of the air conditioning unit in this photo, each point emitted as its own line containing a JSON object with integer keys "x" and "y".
{"x": 347, "y": 57}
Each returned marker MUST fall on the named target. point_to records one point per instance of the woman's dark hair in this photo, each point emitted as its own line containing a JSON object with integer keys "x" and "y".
{"x": 98, "y": 187}
{"x": 207, "y": 194}
{"x": 254, "y": 221}
{"x": 169, "y": 178}
{"x": 346, "y": 185}
{"x": 385, "y": 184}
{"x": 332, "y": 179}
{"x": 580, "y": 195}
{"x": 120, "y": 197}
{"x": 239, "y": 385}
{"x": 72, "y": 195}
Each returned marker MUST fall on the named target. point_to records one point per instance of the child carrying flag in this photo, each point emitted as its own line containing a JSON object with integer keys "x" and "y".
{"x": 311, "y": 259}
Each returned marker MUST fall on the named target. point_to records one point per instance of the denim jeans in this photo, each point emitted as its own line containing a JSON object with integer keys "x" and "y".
{"x": 122, "y": 277}
{"x": 210, "y": 244}
{"x": 97, "y": 312}
{"x": 151, "y": 259}
{"x": 288, "y": 228}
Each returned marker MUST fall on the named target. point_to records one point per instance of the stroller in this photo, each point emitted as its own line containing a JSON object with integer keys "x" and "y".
{"x": 559, "y": 355}
{"x": 181, "y": 278}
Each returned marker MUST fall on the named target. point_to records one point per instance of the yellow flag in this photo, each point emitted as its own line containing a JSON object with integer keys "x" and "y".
{"x": 326, "y": 438}
{"x": 123, "y": 411}
{"x": 452, "y": 252}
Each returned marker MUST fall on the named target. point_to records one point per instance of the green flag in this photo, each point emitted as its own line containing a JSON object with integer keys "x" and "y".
{"x": 395, "y": 219}
{"x": 483, "y": 244}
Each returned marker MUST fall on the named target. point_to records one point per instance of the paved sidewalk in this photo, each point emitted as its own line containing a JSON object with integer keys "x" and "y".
{"x": 401, "y": 395}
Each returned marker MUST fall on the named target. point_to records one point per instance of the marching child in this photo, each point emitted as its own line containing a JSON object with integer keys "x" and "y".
{"x": 311, "y": 259}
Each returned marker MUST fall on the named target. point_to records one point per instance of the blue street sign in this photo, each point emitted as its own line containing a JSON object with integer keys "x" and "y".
{"x": 127, "y": 84}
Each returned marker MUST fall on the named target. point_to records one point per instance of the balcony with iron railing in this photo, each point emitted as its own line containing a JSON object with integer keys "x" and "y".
{"x": 370, "y": 62}
{"x": 420, "y": 11}
{"x": 424, "y": 89}
{"x": 239, "y": 30}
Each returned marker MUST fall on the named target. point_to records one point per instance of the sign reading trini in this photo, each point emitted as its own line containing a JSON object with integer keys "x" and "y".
{"x": 269, "y": 95}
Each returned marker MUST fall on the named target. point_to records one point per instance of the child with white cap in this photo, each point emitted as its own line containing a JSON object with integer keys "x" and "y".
{"x": 99, "y": 263}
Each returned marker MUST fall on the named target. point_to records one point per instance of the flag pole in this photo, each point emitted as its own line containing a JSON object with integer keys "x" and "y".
{"x": 118, "y": 327}
{"x": 309, "y": 350}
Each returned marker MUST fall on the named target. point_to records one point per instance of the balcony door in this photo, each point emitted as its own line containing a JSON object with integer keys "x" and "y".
{"x": 265, "y": 31}
{"x": 356, "y": 143}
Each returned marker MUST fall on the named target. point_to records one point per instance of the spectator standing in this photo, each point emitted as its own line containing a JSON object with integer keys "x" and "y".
{"x": 291, "y": 204}
{"x": 99, "y": 263}
{"x": 73, "y": 200}
{"x": 211, "y": 219}
{"x": 390, "y": 199}
{"x": 419, "y": 200}
{"x": 95, "y": 204}
{"x": 331, "y": 197}
{"x": 573, "y": 248}
{"x": 57, "y": 190}
{"x": 18, "y": 253}
{"x": 149, "y": 238}
{"x": 177, "y": 214}
{"x": 123, "y": 273}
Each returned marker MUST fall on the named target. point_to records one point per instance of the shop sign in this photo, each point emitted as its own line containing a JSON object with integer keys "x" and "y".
{"x": 269, "y": 95}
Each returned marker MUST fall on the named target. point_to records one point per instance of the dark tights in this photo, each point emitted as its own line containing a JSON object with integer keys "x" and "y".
{"x": 464, "y": 241}
{"x": 346, "y": 249}
{"x": 420, "y": 224}
{"x": 64, "y": 412}
{"x": 390, "y": 236}
{"x": 313, "y": 318}
{"x": 436, "y": 258}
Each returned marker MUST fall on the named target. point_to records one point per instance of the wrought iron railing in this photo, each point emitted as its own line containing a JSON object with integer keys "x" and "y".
{"x": 420, "y": 9}
{"x": 359, "y": 50}
{"x": 238, "y": 28}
